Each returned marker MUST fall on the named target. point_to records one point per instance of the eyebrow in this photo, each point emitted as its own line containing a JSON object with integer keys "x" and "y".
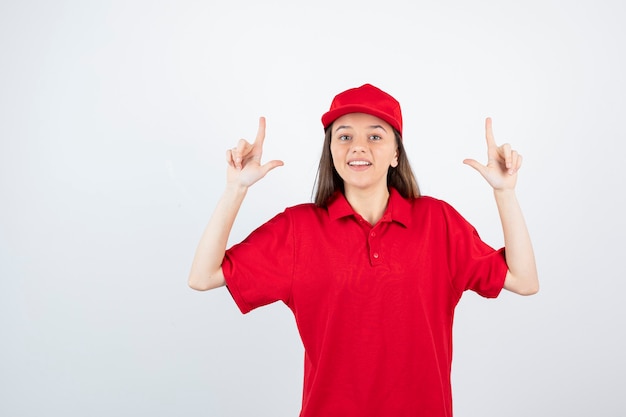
{"x": 349, "y": 127}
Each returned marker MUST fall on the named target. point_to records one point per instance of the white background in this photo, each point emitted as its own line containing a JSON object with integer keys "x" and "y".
{"x": 114, "y": 120}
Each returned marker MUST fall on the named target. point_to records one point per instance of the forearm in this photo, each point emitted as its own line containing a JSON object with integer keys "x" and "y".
{"x": 522, "y": 277}
{"x": 206, "y": 269}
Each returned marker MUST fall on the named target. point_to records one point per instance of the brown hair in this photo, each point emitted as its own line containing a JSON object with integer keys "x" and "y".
{"x": 328, "y": 180}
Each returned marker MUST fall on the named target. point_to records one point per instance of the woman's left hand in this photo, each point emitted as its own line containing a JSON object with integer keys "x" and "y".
{"x": 502, "y": 163}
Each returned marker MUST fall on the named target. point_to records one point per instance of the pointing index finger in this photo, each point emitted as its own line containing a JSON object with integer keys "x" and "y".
{"x": 491, "y": 142}
{"x": 260, "y": 135}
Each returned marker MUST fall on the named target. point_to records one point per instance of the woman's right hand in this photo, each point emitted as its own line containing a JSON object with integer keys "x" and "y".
{"x": 244, "y": 160}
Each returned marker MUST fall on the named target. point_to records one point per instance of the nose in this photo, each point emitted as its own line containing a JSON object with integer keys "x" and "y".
{"x": 359, "y": 144}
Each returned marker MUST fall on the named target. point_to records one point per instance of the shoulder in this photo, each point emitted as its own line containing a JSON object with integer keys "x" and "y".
{"x": 298, "y": 214}
{"x": 428, "y": 200}
{"x": 431, "y": 203}
{"x": 304, "y": 209}
{"x": 433, "y": 208}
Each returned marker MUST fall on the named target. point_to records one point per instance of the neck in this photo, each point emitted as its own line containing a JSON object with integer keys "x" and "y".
{"x": 371, "y": 205}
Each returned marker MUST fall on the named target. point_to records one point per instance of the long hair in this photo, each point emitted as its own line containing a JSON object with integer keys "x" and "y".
{"x": 328, "y": 181}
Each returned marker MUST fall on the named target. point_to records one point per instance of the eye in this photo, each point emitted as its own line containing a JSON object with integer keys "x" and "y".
{"x": 344, "y": 138}
{"x": 375, "y": 137}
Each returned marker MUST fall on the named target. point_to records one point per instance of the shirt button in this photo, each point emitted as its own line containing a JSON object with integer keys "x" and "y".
{"x": 373, "y": 234}
{"x": 375, "y": 255}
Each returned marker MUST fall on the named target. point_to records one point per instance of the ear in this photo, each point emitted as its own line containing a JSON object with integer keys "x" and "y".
{"x": 394, "y": 162}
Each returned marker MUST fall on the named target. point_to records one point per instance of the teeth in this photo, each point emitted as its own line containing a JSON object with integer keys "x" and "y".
{"x": 359, "y": 163}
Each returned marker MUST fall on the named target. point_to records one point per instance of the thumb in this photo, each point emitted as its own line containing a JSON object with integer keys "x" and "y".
{"x": 476, "y": 165}
{"x": 268, "y": 166}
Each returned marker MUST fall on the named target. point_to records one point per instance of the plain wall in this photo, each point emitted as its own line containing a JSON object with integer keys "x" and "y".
{"x": 114, "y": 121}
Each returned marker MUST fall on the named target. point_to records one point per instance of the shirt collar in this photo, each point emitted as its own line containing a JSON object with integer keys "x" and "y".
{"x": 398, "y": 208}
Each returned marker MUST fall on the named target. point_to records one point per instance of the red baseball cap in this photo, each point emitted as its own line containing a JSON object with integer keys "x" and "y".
{"x": 365, "y": 99}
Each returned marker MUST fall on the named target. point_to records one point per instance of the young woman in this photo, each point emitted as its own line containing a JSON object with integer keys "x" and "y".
{"x": 372, "y": 270}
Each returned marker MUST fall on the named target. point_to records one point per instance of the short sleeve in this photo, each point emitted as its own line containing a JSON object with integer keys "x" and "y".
{"x": 474, "y": 265}
{"x": 259, "y": 270}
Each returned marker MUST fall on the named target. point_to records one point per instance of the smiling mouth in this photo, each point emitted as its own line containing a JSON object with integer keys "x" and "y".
{"x": 359, "y": 163}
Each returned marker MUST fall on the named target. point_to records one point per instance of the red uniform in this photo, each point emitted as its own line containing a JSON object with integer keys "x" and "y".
{"x": 374, "y": 305}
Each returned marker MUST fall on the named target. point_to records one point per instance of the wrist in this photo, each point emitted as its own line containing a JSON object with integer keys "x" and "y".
{"x": 505, "y": 197}
{"x": 504, "y": 192}
{"x": 236, "y": 189}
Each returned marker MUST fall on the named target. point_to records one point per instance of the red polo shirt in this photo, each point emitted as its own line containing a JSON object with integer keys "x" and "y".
{"x": 374, "y": 305}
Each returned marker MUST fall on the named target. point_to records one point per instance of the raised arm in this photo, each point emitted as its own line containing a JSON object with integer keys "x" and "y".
{"x": 244, "y": 169}
{"x": 501, "y": 173}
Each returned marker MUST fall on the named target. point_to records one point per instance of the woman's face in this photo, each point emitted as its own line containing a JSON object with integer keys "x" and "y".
{"x": 363, "y": 148}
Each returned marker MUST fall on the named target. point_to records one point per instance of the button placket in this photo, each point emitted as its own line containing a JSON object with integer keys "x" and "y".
{"x": 374, "y": 246}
